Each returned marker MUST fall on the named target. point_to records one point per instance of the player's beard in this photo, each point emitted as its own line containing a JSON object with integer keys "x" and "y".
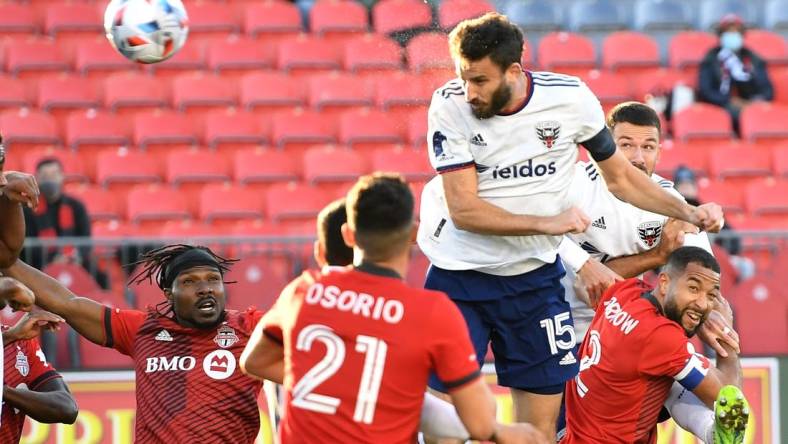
{"x": 675, "y": 314}
{"x": 500, "y": 98}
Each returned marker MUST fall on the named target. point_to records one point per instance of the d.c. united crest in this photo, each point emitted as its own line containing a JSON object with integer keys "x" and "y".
{"x": 649, "y": 233}
{"x": 548, "y": 132}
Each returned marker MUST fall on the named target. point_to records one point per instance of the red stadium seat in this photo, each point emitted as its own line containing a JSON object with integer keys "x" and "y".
{"x": 93, "y": 128}
{"x": 13, "y": 94}
{"x": 147, "y": 295}
{"x": 331, "y": 164}
{"x": 189, "y": 58}
{"x": 372, "y": 53}
{"x": 62, "y": 94}
{"x": 687, "y": 48}
{"x": 413, "y": 165}
{"x": 302, "y": 127}
{"x": 198, "y": 94}
{"x": 100, "y": 203}
{"x": 164, "y": 128}
{"x": 767, "y": 197}
{"x": 265, "y": 92}
{"x": 126, "y": 167}
{"x": 265, "y": 166}
{"x": 236, "y": 56}
{"x": 96, "y": 59}
{"x": 566, "y": 52}
{"x": 702, "y": 121}
{"x": 779, "y": 80}
{"x": 417, "y": 130}
{"x": 770, "y": 46}
{"x": 762, "y": 316}
{"x": 452, "y": 12}
{"x": 401, "y": 89}
{"x": 17, "y": 18}
{"x": 307, "y": 54}
{"x": 67, "y": 21}
{"x": 234, "y": 129}
{"x": 729, "y": 196}
{"x": 617, "y": 53}
{"x": 26, "y": 128}
{"x": 73, "y": 277}
{"x": 429, "y": 50}
{"x": 369, "y": 129}
{"x": 221, "y": 202}
{"x": 295, "y": 201}
{"x": 154, "y": 203}
{"x": 257, "y": 282}
{"x": 610, "y": 88}
{"x": 338, "y": 19}
{"x": 31, "y": 58}
{"x": 675, "y": 154}
{"x": 658, "y": 82}
{"x": 763, "y": 121}
{"x": 211, "y": 21}
{"x": 189, "y": 166}
{"x": 272, "y": 20}
{"x": 73, "y": 167}
{"x": 780, "y": 161}
{"x": 183, "y": 229}
{"x": 134, "y": 91}
{"x": 338, "y": 92}
{"x": 739, "y": 160}
{"x": 400, "y": 15}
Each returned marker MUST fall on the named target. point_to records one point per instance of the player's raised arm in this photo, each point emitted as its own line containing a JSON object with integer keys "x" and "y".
{"x": 86, "y": 316}
{"x": 15, "y": 189}
{"x": 263, "y": 357}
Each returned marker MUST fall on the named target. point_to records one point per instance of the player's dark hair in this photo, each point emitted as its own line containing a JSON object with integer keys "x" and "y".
{"x": 489, "y": 35}
{"x": 329, "y": 233}
{"x": 635, "y": 113}
{"x": 162, "y": 265}
{"x": 380, "y": 211}
{"x": 46, "y": 161}
{"x": 681, "y": 257}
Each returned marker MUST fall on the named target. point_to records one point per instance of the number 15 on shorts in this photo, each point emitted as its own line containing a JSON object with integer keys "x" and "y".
{"x": 556, "y": 328}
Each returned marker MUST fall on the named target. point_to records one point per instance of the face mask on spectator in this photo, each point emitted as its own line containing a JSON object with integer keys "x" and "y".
{"x": 732, "y": 40}
{"x": 49, "y": 189}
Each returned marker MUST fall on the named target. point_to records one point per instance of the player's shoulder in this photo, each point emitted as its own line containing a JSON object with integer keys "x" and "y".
{"x": 555, "y": 80}
{"x": 453, "y": 87}
{"x": 449, "y": 99}
{"x": 626, "y": 290}
{"x": 661, "y": 181}
{"x": 587, "y": 169}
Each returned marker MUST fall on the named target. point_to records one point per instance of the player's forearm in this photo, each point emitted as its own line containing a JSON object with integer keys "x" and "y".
{"x": 12, "y": 231}
{"x": 639, "y": 190}
{"x": 729, "y": 368}
{"x": 636, "y": 264}
{"x": 44, "y": 407}
{"x": 479, "y": 216}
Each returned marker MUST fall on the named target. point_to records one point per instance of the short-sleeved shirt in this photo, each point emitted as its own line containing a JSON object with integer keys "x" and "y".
{"x": 359, "y": 347}
{"x": 524, "y": 163}
{"x": 189, "y": 385}
{"x": 25, "y": 367}
{"x": 630, "y": 359}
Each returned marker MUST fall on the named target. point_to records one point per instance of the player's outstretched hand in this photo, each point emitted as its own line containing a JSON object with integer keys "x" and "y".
{"x": 673, "y": 236}
{"x": 708, "y": 217}
{"x": 32, "y": 324}
{"x": 19, "y": 187}
{"x": 16, "y": 294}
{"x": 595, "y": 278}
{"x": 718, "y": 334}
{"x": 519, "y": 433}
{"x": 572, "y": 220}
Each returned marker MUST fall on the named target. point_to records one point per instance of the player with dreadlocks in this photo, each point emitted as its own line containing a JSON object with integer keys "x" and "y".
{"x": 185, "y": 350}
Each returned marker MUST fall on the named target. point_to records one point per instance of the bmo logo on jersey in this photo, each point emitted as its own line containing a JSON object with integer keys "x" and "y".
{"x": 219, "y": 364}
{"x": 523, "y": 170}
{"x": 165, "y": 364}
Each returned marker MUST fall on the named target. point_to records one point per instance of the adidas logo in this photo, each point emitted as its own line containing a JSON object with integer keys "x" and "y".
{"x": 478, "y": 140}
{"x": 164, "y": 335}
{"x": 568, "y": 359}
{"x": 600, "y": 223}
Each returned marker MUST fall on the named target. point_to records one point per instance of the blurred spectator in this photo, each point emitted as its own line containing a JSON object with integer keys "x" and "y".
{"x": 686, "y": 184}
{"x": 58, "y": 215}
{"x": 732, "y": 76}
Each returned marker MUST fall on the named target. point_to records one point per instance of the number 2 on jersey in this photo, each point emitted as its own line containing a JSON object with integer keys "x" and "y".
{"x": 596, "y": 354}
{"x": 374, "y": 361}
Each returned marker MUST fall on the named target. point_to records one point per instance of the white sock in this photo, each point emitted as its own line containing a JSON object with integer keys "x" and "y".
{"x": 690, "y": 413}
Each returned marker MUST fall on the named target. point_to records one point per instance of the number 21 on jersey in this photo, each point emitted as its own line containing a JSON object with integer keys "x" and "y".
{"x": 374, "y": 361}
{"x": 586, "y": 362}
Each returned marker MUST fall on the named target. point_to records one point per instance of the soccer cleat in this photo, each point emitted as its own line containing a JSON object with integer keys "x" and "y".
{"x": 731, "y": 413}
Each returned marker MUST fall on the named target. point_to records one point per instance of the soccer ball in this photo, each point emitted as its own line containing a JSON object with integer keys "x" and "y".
{"x": 146, "y": 31}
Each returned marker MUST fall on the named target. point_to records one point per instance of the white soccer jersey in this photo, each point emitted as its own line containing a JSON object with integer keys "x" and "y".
{"x": 524, "y": 163}
{"x": 617, "y": 229}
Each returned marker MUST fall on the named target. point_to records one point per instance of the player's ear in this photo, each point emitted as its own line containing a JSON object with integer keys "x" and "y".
{"x": 168, "y": 294}
{"x": 414, "y": 232}
{"x": 515, "y": 69}
{"x": 663, "y": 281}
{"x": 348, "y": 236}
{"x": 319, "y": 252}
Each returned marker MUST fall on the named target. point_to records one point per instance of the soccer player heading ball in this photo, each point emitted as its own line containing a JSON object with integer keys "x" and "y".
{"x": 504, "y": 142}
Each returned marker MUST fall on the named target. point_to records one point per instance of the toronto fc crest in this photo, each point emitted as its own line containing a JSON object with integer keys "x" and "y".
{"x": 22, "y": 366}
{"x": 649, "y": 233}
{"x": 225, "y": 337}
{"x": 548, "y": 132}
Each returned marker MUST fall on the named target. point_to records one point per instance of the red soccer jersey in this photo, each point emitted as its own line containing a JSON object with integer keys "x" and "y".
{"x": 630, "y": 358}
{"x": 358, "y": 350}
{"x": 25, "y": 366}
{"x": 189, "y": 385}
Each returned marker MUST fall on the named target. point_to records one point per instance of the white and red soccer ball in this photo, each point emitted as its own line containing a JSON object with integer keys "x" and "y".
{"x": 146, "y": 31}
